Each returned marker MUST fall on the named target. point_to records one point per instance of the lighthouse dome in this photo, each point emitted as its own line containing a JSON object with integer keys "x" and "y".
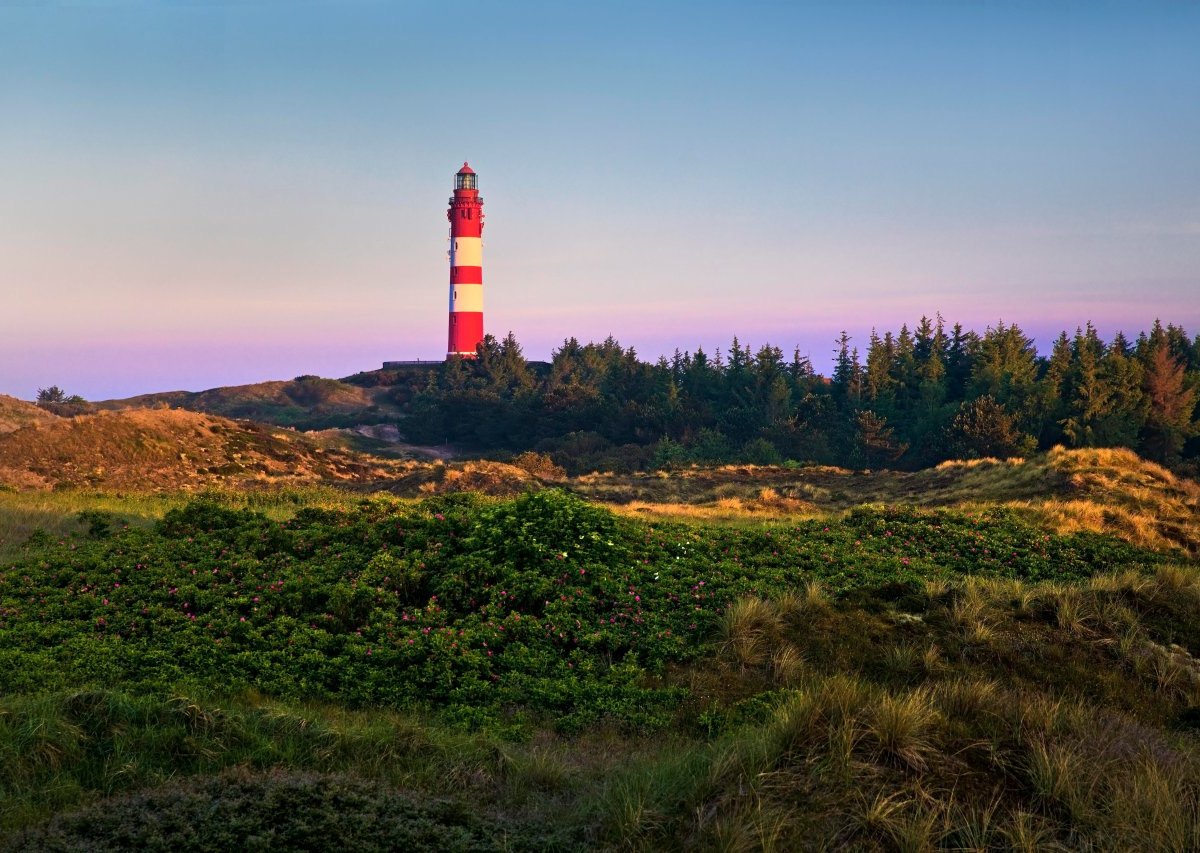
{"x": 466, "y": 170}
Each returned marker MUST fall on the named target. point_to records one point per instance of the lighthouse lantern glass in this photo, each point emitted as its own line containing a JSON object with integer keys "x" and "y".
{"x": 464, "y": 182}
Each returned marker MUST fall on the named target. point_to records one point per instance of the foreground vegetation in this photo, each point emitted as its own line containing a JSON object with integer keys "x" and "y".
{"x": 539, "y": 673}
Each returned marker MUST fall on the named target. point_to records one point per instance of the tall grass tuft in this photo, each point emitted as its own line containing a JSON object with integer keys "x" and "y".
{"x": 964, "y": 697}
{"x": 787, "y": 665}
{"x": 749, "y": 627}
{"x": 1026, "y": 832}
{"x": 902, "y": 727}
{"x": 1060, "y": 777}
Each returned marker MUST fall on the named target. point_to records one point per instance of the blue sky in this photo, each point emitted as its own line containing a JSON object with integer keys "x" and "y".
{"x": 199, "y": 194}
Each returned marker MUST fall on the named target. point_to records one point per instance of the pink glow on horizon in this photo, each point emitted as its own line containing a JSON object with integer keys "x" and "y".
{"x": 128, "y": 365}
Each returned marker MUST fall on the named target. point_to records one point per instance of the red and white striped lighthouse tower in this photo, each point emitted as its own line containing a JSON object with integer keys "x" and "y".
{"x": 466, "y": 265}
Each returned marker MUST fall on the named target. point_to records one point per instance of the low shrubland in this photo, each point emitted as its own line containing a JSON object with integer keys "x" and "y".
{"x": 487, "y": 608}
{"x": 542, "y": 671}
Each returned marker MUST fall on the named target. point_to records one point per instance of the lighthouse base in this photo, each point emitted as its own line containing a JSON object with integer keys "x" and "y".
{"x": 466, "y": 332}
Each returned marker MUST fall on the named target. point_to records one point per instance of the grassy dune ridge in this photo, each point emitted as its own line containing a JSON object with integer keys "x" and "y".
{"x": 1102, "y": 490}
{"x": 307, "y": 402}
{"x": 986, "y": 655}
{"x": 15, "y": 414}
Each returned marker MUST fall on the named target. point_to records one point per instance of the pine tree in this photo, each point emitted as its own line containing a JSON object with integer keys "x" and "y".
{"x": 960, "y": 354}
{"x": 929, "y": 353}
{"x": 1088, "y": 396}
{"x": 877, "y": 440}
{"x": 1170, "y": 404}
{"x": 847, "y": 373}
{"x": 1127, "y": 413}
{"x": 1005, "y": 368}
{"x": 881, "y": 353}
{"x": 983, "y": 428}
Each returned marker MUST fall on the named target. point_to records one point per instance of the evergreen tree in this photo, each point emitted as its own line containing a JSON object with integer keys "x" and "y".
{"x": 877, "y": 441}
{"x": 1087, "y": 393}
{"x": 1123, "y": 375}
{"x": 959, "y": 362}
{"x": 878, "y": 382}
{"x": 1170, "y": 404}
{"x": 1005, "y": 369}
{"x": 847, "y": 374}
{"x": 982, "y": 428}
{"x": 930, "y": 353}
{"x": 1052, "y": 393}
{"x": 904, "y": 369}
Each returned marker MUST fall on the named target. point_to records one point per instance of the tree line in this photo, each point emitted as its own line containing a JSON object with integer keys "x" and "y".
{"x": 910, "y": 399}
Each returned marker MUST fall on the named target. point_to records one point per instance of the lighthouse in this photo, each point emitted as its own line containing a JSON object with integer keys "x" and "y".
{"x": 466, "y": 265}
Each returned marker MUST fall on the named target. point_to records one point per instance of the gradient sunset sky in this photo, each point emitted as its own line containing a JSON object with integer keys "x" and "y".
{"x": 196, "y": 194}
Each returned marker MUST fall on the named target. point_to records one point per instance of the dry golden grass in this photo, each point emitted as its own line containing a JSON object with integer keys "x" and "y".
{"x": 901, "y": 727}
{"x": 749, "y": 628}
{"x": 1111, "y": 491}
{"x": 490, "y": 478}
{"x": 1107, "y": 490}
{"x": 170, "y": 450}
{"x": 15, "y": 414}
{"x": 262, "y": 400}
{"x": 173, "y": 450}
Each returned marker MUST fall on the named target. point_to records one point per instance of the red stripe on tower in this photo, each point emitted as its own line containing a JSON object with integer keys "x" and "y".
{"x": 466, "y": 265}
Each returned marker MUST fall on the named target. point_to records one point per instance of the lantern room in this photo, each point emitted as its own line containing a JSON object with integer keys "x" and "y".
{"x": 465, "y": 179}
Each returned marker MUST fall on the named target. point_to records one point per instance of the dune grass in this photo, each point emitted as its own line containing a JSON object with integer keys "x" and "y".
{"x": 874, "y": 709}
{"x": 907, "y": 734}
{"x": 892, "y": 728}
{"x": 1110, "y": 491}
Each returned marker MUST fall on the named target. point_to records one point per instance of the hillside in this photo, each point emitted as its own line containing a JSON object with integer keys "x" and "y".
{"x": 15, "y": 414}
{"x": 164, "y": 449}
{"x": 1102, "y": 490}
{"x": 307, "y": 402}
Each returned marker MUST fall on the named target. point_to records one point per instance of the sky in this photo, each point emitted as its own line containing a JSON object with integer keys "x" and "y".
{"x": 196, "y": 194}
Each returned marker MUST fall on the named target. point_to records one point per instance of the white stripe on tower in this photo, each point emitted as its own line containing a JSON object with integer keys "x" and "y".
{"x": 466, "y": 252}
{"x": 466, "y": 297}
